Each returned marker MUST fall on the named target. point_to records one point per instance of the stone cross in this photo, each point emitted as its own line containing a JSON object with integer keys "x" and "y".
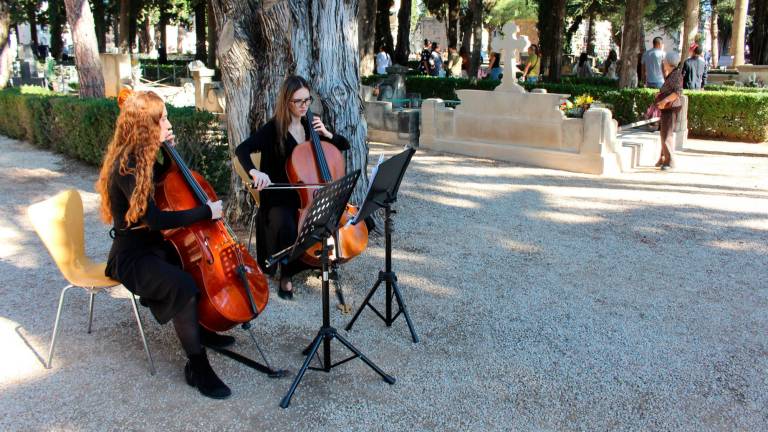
{"x": 512, "y": 45}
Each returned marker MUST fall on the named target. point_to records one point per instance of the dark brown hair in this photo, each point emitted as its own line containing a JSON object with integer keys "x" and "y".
{"x": 291, "y": 85}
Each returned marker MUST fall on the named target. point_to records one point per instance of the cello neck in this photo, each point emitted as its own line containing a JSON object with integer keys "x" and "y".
{"x": 322, "y": 163}
{"x": 185, "y": 171}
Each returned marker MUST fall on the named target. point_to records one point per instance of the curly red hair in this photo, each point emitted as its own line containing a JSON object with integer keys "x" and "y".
{"x": 133, "y": 150}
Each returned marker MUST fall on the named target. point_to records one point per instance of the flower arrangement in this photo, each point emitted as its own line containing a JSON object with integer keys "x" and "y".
{"x": 578, "y": 106}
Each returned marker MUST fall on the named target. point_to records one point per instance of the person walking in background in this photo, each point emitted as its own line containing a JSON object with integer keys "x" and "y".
{"x": 695, "y": 70}
{"x": 532, "y": 67}
{"x": 455, "y": 62}
{"x": 464, "y": 62}
{"x": 383, "y": 61}
{"x": 425, "y": 64}
{"x": 669, "y": 103}
{"x": 653, "y": 76}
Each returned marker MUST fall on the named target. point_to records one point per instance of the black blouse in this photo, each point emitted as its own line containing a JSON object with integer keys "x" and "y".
{"x": 148, "y": 231}
{"x": 265, "y": 140}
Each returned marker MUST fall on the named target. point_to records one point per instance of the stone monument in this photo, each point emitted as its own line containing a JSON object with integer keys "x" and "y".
{"x": 513, "y": 125}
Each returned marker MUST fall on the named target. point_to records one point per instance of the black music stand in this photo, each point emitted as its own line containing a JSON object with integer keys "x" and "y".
{"x": 320, "y": 223}
{"x": 382, "y": 193}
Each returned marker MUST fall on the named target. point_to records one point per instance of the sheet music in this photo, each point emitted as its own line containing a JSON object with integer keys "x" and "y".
{"x": 370, "y": 184}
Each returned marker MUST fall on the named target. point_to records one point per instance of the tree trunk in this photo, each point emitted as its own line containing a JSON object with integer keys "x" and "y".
{"x": 465, "y": 26}
{"x": 489, "y": 29}
{"x": 403, "y": 33}
{"x": 713, "y": 32}
{"x": 317, "y": 40}
{"x": 591, "y": 36}
{"x": 739, "y": 31}
{"x": 200, "y": 51}
{"x": 454, "y": 10}
{"x": 86, "y": 49}
{"x": 31, "y": 10}
{"x": 100, "y": 22}
{"x": 6, "y": 54}
{"x": 133, "y": 23}
{"x": 212, "y": 35}
{"x": 477, "y": 36}
{"x": 366, "y": 36}
{"x": 630, "y": 45}
{"x": 759, "y": 37}
{"x": 383, "y": 29}
{"x": 556, "y": 29}
{"x": 162, "y": 49}
{"x": 145, "y": 37}
{"x": 124, "y": 20}
{"x": 58, "y": 17}
{"x": 690, "y": 25}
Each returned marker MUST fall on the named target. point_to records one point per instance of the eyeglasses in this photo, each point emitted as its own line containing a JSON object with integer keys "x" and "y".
{"x": 302, "y": 102}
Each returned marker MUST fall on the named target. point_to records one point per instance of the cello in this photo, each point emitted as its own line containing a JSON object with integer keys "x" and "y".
{"x": 317, "y": 162}
{"x": 233, "y": 288}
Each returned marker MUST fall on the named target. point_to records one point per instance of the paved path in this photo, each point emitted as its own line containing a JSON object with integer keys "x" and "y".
{"x": 545, "y": 301}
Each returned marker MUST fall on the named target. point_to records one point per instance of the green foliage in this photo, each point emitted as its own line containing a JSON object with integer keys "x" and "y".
{"x": 82, "y": 129}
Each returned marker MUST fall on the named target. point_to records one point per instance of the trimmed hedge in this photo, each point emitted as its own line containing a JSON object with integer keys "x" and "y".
{"x": 82, "y": 128}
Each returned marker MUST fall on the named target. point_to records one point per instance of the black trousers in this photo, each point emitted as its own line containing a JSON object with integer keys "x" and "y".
{"x": 277, "y": 230}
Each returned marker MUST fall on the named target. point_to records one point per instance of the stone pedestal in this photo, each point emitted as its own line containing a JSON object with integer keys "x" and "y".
{"x": 201, "y": 77}
{"x": 522, "y": 127}
{"x": 750, "y": 72}
{"x": 116, "y": 69}
{"x": 215, "y": 101}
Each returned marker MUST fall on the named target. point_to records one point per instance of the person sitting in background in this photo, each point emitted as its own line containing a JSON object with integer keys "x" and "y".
{"x": 455, "y": 63}
{"x": 583, "y": 68}
{"x": 494, "y": 66}
{"x": 695, "y": 70}
{"x": 609, "y": 68}
{"x": 464, "y": 62}
{"x": 532, "y": 67}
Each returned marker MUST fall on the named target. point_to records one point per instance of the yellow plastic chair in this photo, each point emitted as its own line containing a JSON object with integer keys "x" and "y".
{"x": 247, "y": 181}
{"x": 58, "y": 222}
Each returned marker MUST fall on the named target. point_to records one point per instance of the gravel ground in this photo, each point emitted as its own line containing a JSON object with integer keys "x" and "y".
{"x": 545, "y": 300}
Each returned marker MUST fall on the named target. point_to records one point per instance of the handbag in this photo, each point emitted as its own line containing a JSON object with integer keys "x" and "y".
{"x": 652, "y": 112}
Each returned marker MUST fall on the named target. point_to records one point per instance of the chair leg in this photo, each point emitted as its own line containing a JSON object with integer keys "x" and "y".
{"x": 252, "y": 223}
{"x": 141, "y": 332}
{"x": 56, "y": 325}
{"x": 90, "y": 310}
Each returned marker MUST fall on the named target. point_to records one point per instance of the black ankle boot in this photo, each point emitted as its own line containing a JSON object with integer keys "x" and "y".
{"x": 215, "y": 340}
{"x": 199, "y": 373}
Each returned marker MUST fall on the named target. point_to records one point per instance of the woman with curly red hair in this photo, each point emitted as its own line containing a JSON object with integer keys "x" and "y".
{"x": 140, "y": 258}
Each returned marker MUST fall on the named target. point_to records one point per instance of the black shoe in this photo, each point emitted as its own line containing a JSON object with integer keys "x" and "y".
{"x": 215, "y": 340}
{"x": 284, "y": 294}
{"x": 199, "y": 373}
{"x": 659, "y": 163}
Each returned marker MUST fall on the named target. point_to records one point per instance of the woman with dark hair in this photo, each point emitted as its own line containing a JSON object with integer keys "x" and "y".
{"x": 669, "y": 103}
{"x": 583, "y": 68}
{"x": 494, "y": 63}
{"x": 140, "y": 258}
{"x": 609, "y": 68}
{"x": 275, "y": 140}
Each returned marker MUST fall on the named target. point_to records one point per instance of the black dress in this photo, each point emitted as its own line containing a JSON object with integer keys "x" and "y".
{"x": 140, "y": 258}
{"x": 276, "y": 220}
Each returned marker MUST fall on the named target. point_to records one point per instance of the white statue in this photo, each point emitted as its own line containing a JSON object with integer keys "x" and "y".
{"x": 511, "y": 45}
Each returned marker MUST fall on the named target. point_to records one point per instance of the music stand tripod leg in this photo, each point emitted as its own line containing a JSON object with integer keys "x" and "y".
{"x": 312, "y": 352}
{"x": 387, "y": 378}
{"x": 401, "y": 305}
{"x": 366, "y": 302}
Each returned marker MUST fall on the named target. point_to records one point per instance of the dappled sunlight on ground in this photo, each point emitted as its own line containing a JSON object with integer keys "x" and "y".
{"x": 21, "y": 363}
{"x": 569, "y": 218}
